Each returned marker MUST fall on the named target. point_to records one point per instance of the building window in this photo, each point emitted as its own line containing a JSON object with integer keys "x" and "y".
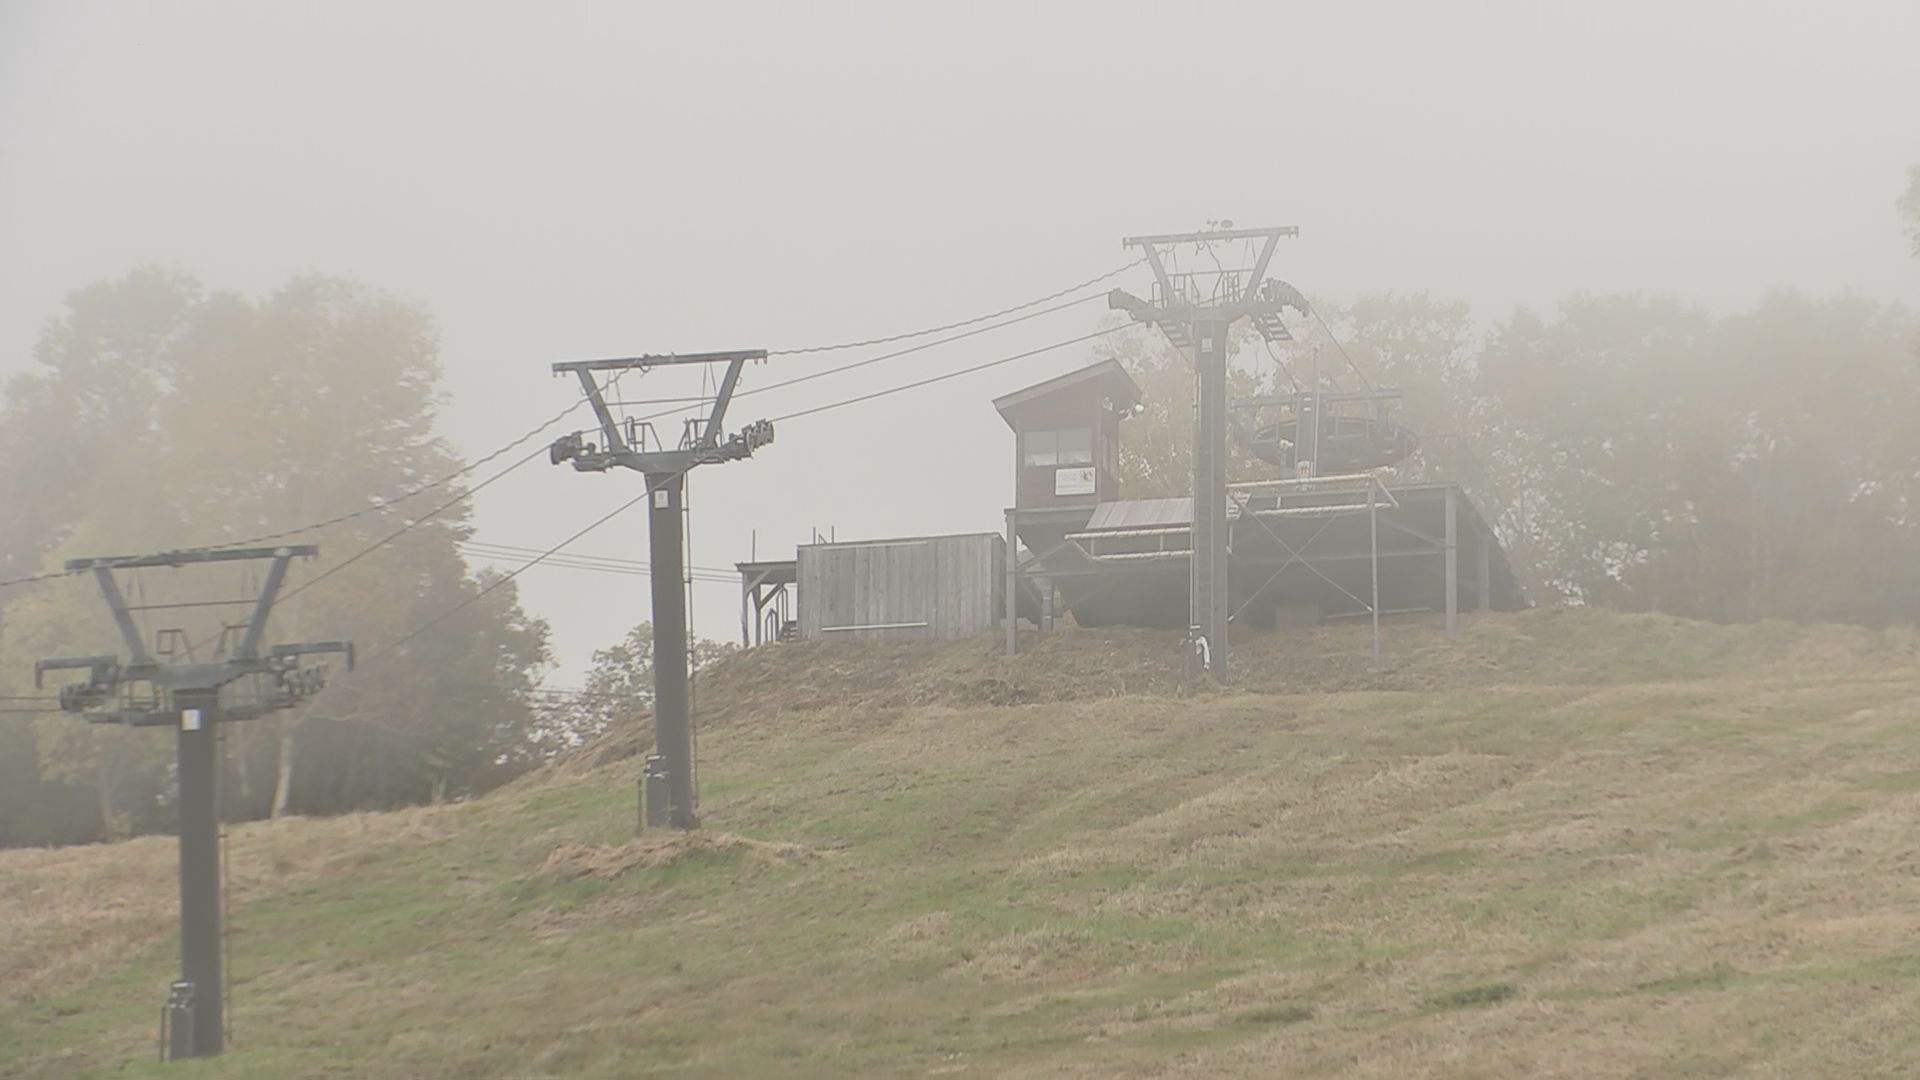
{"x": 1067, "y": 446}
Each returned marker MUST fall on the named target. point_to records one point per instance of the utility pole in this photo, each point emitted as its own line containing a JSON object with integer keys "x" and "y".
{"x": 1197, "y": 310}
{"x": 174, "y": 689}
{"x": 634, "y": 445}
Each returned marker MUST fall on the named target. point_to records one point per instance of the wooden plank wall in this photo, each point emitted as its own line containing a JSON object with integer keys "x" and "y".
{"x": 932, "y": 587}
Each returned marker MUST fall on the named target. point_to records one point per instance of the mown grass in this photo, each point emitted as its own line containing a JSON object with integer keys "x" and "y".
{"x": 1506, "y": 857}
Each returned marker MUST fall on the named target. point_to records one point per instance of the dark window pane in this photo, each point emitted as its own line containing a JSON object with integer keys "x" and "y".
{"x": 1043, "y": 447}
{"x": 1076, "y": 446}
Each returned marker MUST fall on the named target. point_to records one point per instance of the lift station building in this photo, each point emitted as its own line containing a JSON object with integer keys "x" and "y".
{"x": 1301, "y": 549}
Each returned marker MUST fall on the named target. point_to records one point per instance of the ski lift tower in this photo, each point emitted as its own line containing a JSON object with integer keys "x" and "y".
{"x": 1196, "y": 310}
{"x": 631, "y": 443}
{"x": 169, "y": 687}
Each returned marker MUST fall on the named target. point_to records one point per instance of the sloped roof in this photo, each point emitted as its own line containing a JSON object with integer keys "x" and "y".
{"x": 1106, "y": 375}
{"x": 1141, "y": 514}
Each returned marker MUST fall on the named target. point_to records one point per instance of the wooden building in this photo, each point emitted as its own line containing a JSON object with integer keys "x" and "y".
{"x": 1299, "y": 549}
{"x": 914, "y": 587}
{"x": 1067, "y": 436}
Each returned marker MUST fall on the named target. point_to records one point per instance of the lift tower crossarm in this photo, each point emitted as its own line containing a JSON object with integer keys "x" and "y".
{"x": 649, "y": 360}
{"x": 122, "y": 618}
{"x": 189, "y": 556}
{"x": 187, "y": 696}
{"x": 666, "y": 471}
{"x": 704, "y": 450}
{"x": 1266, "y": 256}
{"x": 609, "y": 430}
{"x": 257, "y": 622}
{"x": 1201, "y": 323}
{"x": 1273, "y": 233}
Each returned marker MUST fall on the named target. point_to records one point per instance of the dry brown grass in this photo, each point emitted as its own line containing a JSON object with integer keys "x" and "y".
{"x": 71, "y": 913}
{"x": 606, "y": 861}
{"x": 1542, "y": 647}
{"x": 1506, "y": 856}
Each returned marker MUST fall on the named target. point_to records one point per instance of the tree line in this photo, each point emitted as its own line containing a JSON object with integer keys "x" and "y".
{"x": 159, "y": 415}
{"x": 1638, "y": 452}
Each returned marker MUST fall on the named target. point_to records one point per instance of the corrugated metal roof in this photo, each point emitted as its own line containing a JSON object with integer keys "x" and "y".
{"x": 1141, "y": 513}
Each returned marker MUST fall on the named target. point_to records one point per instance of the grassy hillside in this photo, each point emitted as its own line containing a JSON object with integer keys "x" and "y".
{"x": 1562, "y": 844}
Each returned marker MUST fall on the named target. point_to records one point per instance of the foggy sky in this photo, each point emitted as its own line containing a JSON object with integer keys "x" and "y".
{"x": 557, "y": 181}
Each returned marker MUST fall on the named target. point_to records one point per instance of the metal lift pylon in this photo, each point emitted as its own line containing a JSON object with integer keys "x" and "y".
{"x": 633, "y": 446}
{"x": 185, "y": 695}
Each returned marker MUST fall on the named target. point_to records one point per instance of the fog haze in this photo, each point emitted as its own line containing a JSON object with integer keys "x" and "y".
{"x": 562, "y": 181}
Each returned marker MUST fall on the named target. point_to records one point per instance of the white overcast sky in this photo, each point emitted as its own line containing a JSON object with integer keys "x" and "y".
{"x": 559, "y": 180}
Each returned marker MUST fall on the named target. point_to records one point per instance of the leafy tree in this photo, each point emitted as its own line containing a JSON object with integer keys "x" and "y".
{"x": 215, "y": 419}
{"x": 619, "y": 687}
{"x": 1156, "y": 447}
{"x": 1747, "y": 467}
{"x": 91, "y": 400}
{"x": 1636, "y": 452}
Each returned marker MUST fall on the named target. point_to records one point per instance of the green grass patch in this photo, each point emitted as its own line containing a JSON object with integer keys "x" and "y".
{"x": 1275, "y": 1015}
{"x": 1473, "y": 997}
{"x": 1110, "y": 879}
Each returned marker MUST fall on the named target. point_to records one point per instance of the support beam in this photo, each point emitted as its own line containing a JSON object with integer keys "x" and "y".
{"x": 1266, "y": 257}
{"x": 672, "y": 725}
{"x": 199, "y": 808}
{"x": 122, "y": 618}
{"x": 1210, "y": 234}
{"x": 1452, "y": 558}
{"x": 609, "y": 430}
{"x": 717, "y": 419}
{"x": 653, "y": 360}
{"x": 1013, "y": 585}
{"x": 262, "y": 607}
{"x": 1373, "y": 558}
{"x": 1209, "y": 600}
{"x": 1486, "y": 570}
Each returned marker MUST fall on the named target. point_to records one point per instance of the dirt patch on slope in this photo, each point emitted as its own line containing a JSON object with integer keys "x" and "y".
{"x": 569, "y": 862}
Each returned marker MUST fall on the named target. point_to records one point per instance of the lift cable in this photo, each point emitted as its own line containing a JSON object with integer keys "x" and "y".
{"x": 749, "y": 391}
{"x": 908, "y": 351}
{"x": 1282, "y": 365}
{"x": 469, "y": 493}
{"x": 560, "y": 547}
{"x": 930, "y": 380}
{"x": 411, "y": 525}
{"x": 509, "y": 576}
{"x": 1344, "y": 354}
{"x": 564, "y": 563}
{"x": 1068, "y": 291}
{"x": 376, "y": 506}
{"x": 384, "y": 503}
{"x": 396, "y": 534}
{"x": 491, "y": 550}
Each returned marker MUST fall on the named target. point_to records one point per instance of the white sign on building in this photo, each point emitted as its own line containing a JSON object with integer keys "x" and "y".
{"x": 1073, "y": 481}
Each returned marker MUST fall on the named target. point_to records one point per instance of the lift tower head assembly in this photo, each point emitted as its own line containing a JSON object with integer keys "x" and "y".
{"x": 1196, "y": 310}
{"x": 174, "y": 689}
{"x": 633, "y": 444}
